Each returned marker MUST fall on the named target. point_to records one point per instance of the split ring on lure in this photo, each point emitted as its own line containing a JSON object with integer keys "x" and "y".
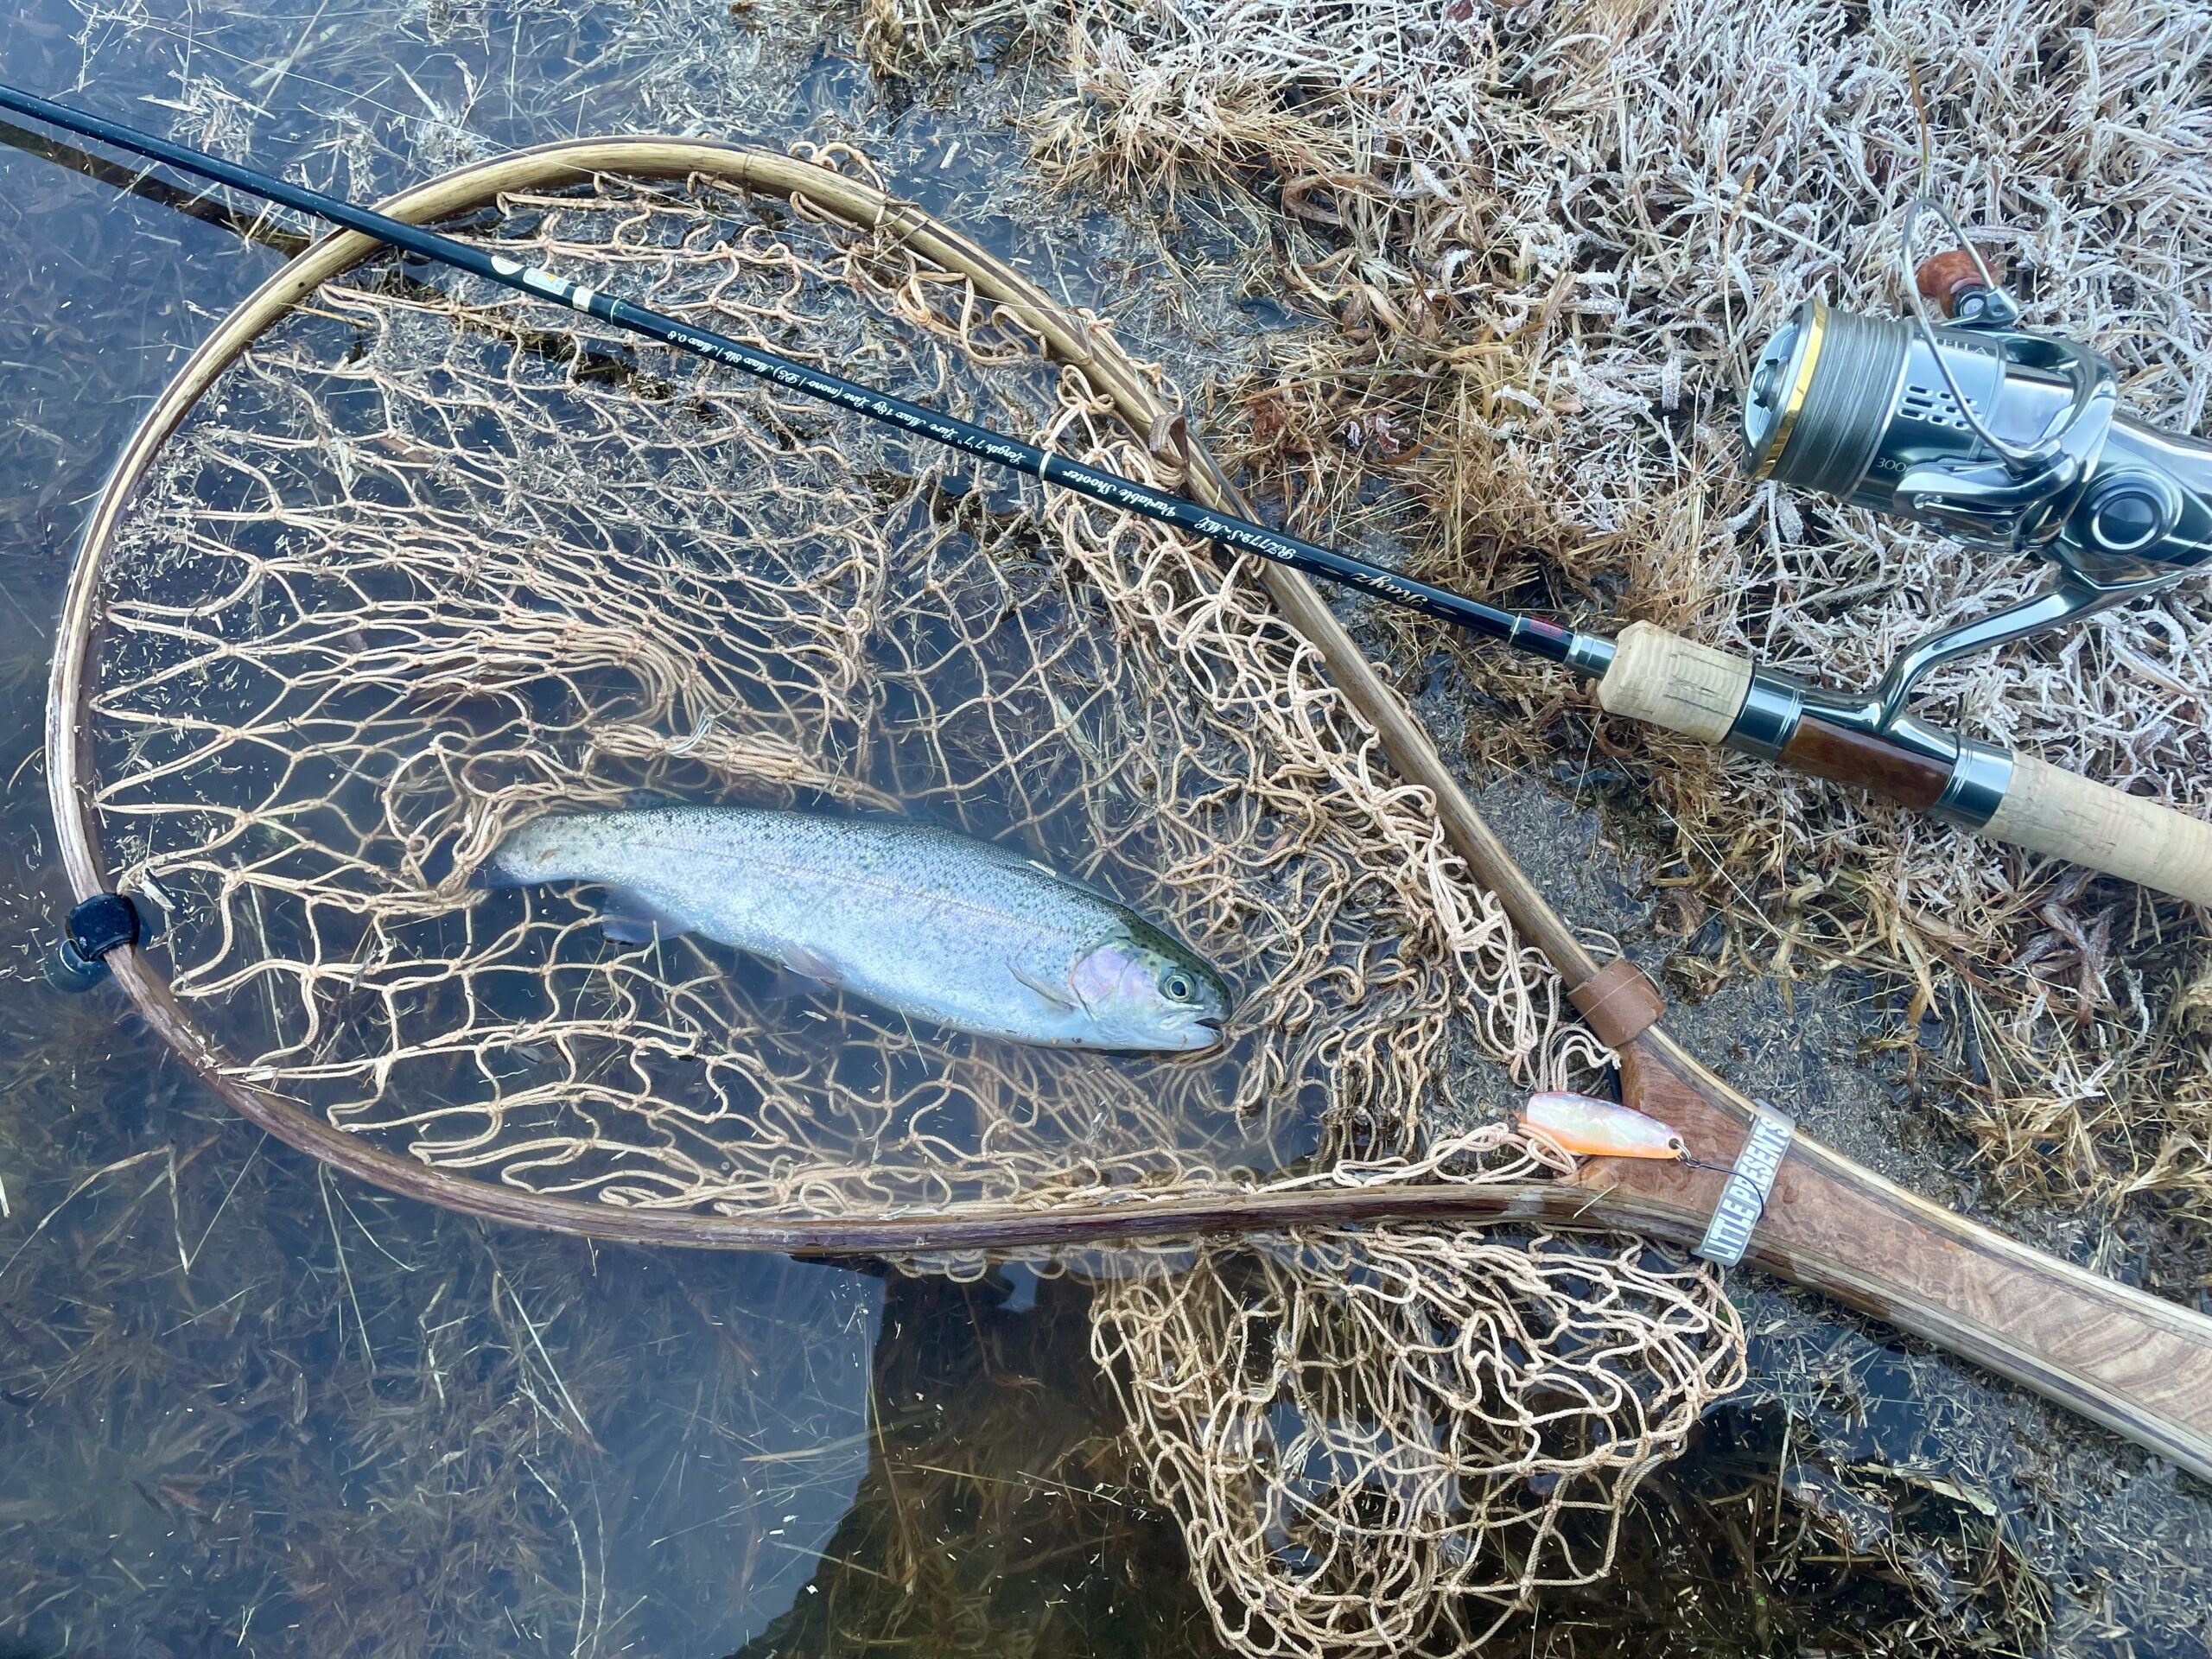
{"x": 1599, "y": 1128}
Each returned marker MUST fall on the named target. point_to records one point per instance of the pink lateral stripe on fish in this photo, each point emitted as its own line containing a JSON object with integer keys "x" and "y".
{"x": 1597, "y": 1129}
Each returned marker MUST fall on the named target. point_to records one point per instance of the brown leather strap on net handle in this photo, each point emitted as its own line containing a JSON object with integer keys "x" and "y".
{"x": 1620, "y": 1002}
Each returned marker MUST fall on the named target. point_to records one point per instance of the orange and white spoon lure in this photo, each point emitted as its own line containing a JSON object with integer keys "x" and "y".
{"x": 1597, "y": 1129}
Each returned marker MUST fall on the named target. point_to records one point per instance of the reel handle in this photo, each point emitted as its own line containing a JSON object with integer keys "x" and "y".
{"x": 1699, "y": 692}
{"x": 1947, "y": 280}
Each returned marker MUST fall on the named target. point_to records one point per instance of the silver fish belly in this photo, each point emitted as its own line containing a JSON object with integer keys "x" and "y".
{"x": 929, "y": 924}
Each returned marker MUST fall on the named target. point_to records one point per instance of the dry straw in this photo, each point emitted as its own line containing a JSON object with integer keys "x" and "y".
{"x": 1546, "y": 239}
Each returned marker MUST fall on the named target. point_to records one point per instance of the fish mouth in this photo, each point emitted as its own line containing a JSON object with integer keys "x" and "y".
{"x": 1211, "y": 1023}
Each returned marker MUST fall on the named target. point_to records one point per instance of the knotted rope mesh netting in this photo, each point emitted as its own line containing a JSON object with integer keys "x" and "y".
{"x": 422, "y": 562}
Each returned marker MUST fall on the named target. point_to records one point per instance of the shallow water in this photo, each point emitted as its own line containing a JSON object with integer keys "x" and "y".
{"x": 246, "y": 1406}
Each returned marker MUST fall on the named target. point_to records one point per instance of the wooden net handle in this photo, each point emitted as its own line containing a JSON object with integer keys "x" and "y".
{"x": 1696, "y": 690}
{"x": 2133, "y": 1361}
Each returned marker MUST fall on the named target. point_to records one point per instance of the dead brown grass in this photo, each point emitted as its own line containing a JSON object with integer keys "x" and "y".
{"x": 1539, "y": 244}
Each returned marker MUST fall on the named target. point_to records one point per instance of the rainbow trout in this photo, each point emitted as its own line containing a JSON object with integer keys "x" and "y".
{"x": 926, "y": 923}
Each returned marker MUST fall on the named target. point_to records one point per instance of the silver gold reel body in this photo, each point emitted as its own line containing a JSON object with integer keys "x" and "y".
{"x": 2008, "y": 439}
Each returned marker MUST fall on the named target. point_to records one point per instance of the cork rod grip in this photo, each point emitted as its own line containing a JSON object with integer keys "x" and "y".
{"x": 1673, "y": 683}
{"x": 2048, "y": 809}
{"x": 1697, "y": 690}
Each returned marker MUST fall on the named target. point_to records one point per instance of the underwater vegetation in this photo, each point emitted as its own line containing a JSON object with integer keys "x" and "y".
{"x": 997, "y": 1518}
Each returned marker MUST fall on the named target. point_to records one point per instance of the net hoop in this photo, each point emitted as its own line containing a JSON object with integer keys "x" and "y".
{"x": 1070, "y": 340}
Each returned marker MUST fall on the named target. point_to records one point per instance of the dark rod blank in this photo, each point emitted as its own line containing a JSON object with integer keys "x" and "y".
{"x": 1532, "y": 634}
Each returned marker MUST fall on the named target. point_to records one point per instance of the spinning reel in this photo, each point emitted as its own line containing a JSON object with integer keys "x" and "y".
{"x": 2000, "y": 437}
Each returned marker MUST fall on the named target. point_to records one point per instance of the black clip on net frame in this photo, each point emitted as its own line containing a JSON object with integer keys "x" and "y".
{"x": 104, "y": 922}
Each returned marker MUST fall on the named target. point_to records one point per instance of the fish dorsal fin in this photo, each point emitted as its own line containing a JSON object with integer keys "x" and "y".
{"x": 1016, "y": 855}
{"x": 1011, "y": 854}
{"x": 631, "y": 918}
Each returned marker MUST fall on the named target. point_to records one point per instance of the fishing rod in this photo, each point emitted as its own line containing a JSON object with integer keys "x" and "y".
{"x": 1544, "y": 638}
{"x": 1818, "y": 392}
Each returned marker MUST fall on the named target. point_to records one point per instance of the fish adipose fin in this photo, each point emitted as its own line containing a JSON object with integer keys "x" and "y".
{"x": 633, "y": 920}
{"x": 1061, "y": 998}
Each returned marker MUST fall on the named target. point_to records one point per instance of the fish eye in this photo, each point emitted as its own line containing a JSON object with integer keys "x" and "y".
{"x": 1175, "y": 985}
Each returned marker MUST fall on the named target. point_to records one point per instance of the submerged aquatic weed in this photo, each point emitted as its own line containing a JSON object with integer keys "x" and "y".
{"x": 247, "y": 1404}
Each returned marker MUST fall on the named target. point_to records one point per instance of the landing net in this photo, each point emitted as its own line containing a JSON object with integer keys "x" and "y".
{"x": 425, "y": 560}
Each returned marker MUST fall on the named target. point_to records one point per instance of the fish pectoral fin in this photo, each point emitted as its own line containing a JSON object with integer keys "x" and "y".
{"x": 1061, "y": 997}
{"x": 631, "y": 920}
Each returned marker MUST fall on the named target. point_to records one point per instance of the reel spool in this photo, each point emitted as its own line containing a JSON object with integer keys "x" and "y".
{"x": 2001, "y": 437}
